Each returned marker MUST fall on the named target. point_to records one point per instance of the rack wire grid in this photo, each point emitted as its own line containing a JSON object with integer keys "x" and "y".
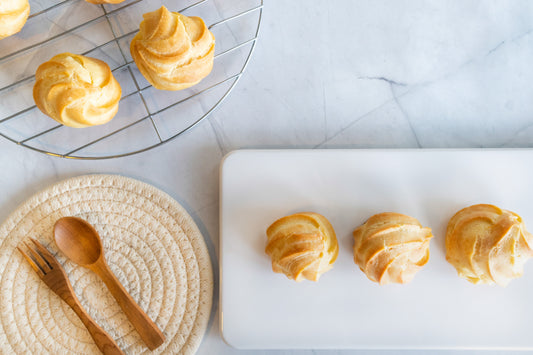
{"x": 147, "y": 117}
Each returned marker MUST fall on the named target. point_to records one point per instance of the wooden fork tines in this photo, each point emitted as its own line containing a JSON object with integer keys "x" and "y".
{"x": 55, "y": 277}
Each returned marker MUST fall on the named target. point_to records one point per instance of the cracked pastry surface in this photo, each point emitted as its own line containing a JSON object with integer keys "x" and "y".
{"x": 302, "y": 246}
{"x": 76, "y": 91}
{"x": 173, "y": 51}
{"x": 391, "y": 247}
{"x": 488, "y": 245}
{"x": 13, "y": 16}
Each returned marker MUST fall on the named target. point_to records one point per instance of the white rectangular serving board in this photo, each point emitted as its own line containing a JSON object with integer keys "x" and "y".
{"x": 344, "y": 310}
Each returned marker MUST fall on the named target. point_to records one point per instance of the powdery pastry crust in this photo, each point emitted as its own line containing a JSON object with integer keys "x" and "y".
{"x": 13, "y": 16}
{"x": 76, "y": 91}
{"x": 173, "y": 51}
{"x": 302, "y": 246}
{"x": 391, "y": 247}
{"x": 487, "y": 244}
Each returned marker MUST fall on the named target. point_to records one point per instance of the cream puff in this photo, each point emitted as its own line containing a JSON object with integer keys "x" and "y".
{"x": 302, "y": 246}
{"x": 76, "y": 91}
{"x": 13, "y": 16}
{"x": 173, "y": 51}
{"x": 391, "y": 247}
{"x": 487, "y": 244}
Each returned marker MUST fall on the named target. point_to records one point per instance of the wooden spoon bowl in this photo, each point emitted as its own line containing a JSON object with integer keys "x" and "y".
{"x": 85, "y": 248}
{"x": 81, "y": 243}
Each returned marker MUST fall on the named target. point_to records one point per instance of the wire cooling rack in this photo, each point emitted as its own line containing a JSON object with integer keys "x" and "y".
{"x": 147, "y": 117}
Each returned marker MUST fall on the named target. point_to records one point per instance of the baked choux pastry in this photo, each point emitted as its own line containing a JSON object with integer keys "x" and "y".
{"x": 391, "y": 247}
{"x": 302, "y": 246}
{"x": 13, "y": 16}
{"x": 76, "y": 91}
{"x": 487, "y": 244}
{"x": 173, "y": 51}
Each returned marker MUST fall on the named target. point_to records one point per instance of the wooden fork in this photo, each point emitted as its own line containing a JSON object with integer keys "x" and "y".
{"x": 55, "y": 277}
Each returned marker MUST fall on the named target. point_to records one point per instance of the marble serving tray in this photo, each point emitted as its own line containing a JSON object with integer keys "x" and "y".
{"x": 344, "y": 310}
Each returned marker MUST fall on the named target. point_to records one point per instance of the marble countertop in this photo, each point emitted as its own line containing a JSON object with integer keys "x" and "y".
{"x": 336, "y": 74}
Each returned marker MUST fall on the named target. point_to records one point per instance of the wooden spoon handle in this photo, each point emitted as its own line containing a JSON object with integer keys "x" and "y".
{"x": 102, "y": 339}
{"x": 147, "y": 329}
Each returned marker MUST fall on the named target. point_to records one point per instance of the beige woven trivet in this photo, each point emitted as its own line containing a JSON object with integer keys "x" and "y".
{"x": 151, "y": 244}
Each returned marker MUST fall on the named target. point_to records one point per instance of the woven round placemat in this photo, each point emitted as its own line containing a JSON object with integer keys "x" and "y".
{"x": 151, "y": 244}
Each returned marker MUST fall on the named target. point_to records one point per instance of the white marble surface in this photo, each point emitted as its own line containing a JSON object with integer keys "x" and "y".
{"x": 336, "y": 74}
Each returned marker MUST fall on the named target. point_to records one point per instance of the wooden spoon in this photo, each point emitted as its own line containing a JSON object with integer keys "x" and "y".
{"x": 80, "y": 242}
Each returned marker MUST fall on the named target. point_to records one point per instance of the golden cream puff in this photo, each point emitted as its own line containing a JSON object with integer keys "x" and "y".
{"x": 391, "y": 247}
{"x": 173, "y": 51}
{"x": 487, "y": 244}
{"x": 13, "y": 16}
{"x": 76, "y": 91}
{"x": 302, "y": 246}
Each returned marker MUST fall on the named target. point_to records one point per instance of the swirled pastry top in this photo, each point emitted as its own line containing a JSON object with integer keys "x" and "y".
{"x": 13, "y": 16}
{"x": 76, "y": 91}
{"x": 173, "y": 51}
{"x": 302, "y": 246}
{"x": 391, "y": 247}
{"x": 487, "y": 244}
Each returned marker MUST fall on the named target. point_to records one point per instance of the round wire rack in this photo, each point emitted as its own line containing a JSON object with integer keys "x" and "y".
{"x": 147, "y": 117}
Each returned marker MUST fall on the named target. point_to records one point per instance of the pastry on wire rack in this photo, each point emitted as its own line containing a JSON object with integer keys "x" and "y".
{"x": 391, "y": 247}
{"x": 173, "y": 51}
{"x": 76, "y": 91}
{"x": 488, "y": 245}
{"x": 302, "y": 246}
{"x": 13, "y": 16}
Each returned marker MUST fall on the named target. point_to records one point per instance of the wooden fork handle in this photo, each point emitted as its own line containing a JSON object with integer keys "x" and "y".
{"x": 147, "y": 329}
{"x": 103, "y": 340}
